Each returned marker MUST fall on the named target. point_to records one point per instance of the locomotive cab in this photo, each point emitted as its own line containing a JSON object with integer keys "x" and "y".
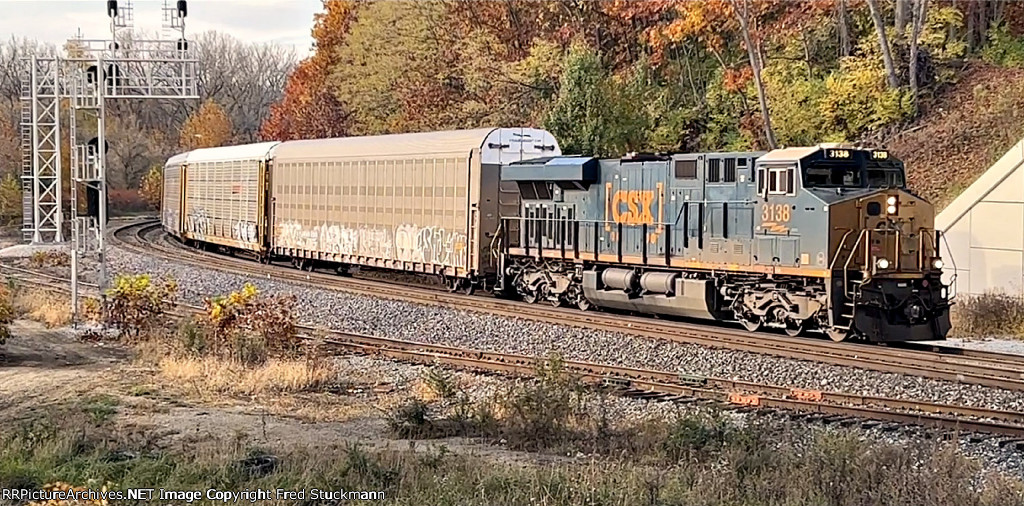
{"x": 881, "y": 252}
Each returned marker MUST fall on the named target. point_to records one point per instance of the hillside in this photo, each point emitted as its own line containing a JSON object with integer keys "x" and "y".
{"x": 962, "y": 132}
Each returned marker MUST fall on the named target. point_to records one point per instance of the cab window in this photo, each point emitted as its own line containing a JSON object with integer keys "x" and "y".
{"x": 780, "y": 180}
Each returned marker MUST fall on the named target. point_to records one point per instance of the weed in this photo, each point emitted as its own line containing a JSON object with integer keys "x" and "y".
{"x": 100, "y": 408}
{"x": 440, "y": 382}
{"x": 410, "y": 419}
{"x": 212, "y": 375}
{"x": 135, "y": 302}
{"x": 42, "y": 306}
{"x": 49, "y": 258}
{"x": 248, "y": 326}
{"x": 783, "y": 467}
{"x": 988, "y": 314}
{"x": 6, "y": 313}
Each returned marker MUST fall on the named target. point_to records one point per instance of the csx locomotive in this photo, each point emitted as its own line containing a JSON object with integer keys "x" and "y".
{"x": 825, "y": 237}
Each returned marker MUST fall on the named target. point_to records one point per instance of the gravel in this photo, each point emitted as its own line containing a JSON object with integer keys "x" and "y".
{"x": 438, "y": 325}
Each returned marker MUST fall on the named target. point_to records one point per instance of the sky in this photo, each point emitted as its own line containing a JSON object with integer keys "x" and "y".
{"x": 286, "y": 22}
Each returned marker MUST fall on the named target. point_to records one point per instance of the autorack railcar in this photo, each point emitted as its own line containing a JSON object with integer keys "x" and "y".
{"x": 423, "y": 202}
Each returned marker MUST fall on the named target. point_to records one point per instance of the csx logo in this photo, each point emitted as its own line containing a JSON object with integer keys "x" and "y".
{"x": 633, "y": 207}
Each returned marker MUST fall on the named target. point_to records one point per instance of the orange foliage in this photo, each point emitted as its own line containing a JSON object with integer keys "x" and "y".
{"x": 735, "y": 80}
{"x": 309, "y": 110}
{"x": 208, "y": 127}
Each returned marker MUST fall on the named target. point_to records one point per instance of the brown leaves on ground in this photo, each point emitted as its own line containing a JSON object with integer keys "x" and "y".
{"x": 963, "y": 132}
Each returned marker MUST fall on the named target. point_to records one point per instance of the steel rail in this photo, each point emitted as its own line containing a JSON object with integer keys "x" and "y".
{"x": 943, "y": 363}
{"x": 653, "y": 384}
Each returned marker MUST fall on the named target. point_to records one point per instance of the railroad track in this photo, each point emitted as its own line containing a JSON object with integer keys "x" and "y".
{"x": 938, "y": 362}
{"x": 828, "y": 407}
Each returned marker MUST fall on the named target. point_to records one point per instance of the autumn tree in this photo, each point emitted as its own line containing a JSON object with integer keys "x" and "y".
{"x": 246, "y": 79}
{"x": 309, "y": 109}
{"x": 208, "y": 127}
{"x": 883, "y": 42}
{"x": 742, "y": 10}
{"x": 152, "y": 186}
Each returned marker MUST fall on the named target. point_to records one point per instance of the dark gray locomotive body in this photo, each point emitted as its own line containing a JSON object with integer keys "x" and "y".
{"x": 822, "y": 238}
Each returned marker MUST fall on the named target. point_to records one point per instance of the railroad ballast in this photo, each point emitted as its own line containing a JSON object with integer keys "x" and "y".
{"x": 825, "y": 237}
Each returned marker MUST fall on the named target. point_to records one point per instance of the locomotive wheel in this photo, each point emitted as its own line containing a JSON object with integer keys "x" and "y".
{"x": 794, "y": 327}
{"x": 751, "y": 323}
{"x": 837, "y": 335}
{"x": 583, "y": 303}
{"x": 529, "y": 297}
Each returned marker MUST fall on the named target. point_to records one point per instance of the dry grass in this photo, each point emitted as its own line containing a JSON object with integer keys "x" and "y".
{"x": 45, "y": 307}
{"x": 991, "y": 314}
{"x": 214, "y": 375}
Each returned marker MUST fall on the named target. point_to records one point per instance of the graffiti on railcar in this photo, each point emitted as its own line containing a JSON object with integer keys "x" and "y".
{"x": 291, "y": 235}
{"x": 199, "y": 223}
{"x": 244, "y": 231}
{"x": 408, "y": 243}
{"x": 432, "y": 245}
{"x": 170, "y": 218}
{"x": 338, "y": 240}
{"x": 375, "y": 242}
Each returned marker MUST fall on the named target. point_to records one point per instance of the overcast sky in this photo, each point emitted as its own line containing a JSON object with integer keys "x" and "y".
{"x": 286, "y": 22}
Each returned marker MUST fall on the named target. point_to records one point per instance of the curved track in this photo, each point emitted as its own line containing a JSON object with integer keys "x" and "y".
{"x": 931, "y": 361}
{"x": 829, "y": 407}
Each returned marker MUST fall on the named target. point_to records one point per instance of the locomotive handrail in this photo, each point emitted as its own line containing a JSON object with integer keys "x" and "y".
{"x": 952, "y": 279}
{"x": 846, "y": 266}
{"x": 835, "y": 258}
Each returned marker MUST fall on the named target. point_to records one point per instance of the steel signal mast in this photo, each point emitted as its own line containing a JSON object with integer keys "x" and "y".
{"x": 87, "y": 75}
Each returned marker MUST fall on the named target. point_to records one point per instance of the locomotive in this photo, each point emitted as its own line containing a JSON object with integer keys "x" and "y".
{"x": 825, "y": 237}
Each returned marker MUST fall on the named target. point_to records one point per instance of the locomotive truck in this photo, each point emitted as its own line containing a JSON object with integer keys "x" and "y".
{"x": 825, "y": 237}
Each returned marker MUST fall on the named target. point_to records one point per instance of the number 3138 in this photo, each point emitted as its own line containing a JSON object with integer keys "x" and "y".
{"x": 775, "y": 212}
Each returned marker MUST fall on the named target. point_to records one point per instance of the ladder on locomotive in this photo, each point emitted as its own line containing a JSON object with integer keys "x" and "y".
{"x": 852, "y": 280}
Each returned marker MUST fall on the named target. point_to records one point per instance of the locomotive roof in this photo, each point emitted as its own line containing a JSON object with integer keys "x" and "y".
{"x": 788, "y": 154}
{"x": 498, "y": 145}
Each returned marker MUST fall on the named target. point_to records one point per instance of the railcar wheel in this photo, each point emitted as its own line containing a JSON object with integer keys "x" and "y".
{"x": 751, "y": 323}
{"x": 452, "y": 284}
{"x": 794, "y": 327}
{"x": 468, "y": 287}
{"x": 583, "y": 303}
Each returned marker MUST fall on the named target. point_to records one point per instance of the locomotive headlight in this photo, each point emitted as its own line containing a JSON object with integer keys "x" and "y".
{"x": 891, "y": 200}
{"x": 937, "y": 263}
{"x": 882, "y": 263}
{"x": 891, "y": 209}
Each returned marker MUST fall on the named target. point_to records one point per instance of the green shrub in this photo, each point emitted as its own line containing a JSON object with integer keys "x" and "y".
{"x": 1003, "y": 47}
{"x": 858, "y": 100}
